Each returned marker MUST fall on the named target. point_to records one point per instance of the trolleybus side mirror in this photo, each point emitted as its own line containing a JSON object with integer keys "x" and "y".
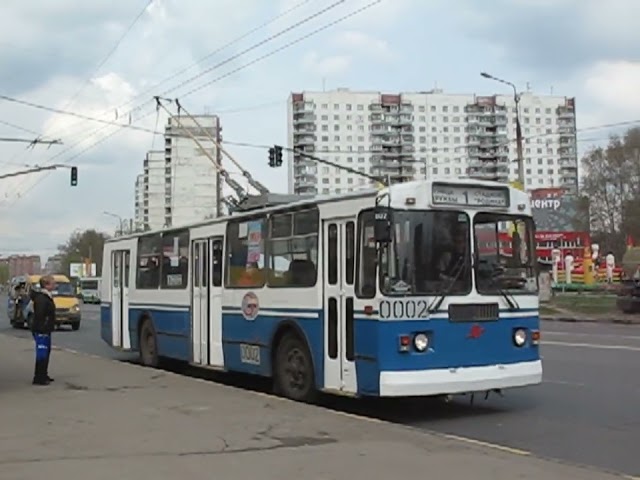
{"x": 382, "y": 225}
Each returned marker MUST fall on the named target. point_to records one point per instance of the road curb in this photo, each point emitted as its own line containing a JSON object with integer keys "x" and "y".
{"x": 617, "y": 320}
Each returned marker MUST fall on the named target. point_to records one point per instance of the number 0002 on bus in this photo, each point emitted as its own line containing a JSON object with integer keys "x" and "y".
{"x": 250, "y": 354}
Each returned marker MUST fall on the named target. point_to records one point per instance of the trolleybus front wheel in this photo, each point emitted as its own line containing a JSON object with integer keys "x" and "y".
{"x": 148, "y": 345}
{"x": 294, "y": 376}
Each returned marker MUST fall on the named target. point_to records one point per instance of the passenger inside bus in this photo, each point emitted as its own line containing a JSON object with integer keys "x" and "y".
{"x": 252, "y": 276}
{"x": 149, "y": 271}
{"x": 302, "y": 273}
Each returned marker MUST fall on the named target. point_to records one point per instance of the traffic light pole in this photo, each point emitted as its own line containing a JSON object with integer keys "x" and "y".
{"x": 41, "y": 169}
{"x": 273, "y": 162}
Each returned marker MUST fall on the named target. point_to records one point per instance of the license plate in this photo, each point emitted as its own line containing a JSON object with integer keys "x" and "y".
{"x": 250, "y": 354}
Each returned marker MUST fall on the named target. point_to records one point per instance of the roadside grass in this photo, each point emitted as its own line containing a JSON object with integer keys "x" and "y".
{"x": 587, "y": 304}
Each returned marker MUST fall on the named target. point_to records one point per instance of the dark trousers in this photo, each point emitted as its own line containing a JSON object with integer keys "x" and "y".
{"x": 43, "y": 353}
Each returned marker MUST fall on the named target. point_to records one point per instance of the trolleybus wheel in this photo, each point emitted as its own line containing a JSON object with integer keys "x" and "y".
{"x": 148, "y": 345}
{"x": 294, "y": 376}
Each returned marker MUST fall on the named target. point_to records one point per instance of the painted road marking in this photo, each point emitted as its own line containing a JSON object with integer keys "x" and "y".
{"x": 593, "y": 346}
{"x": 563, "y": 382}
{"x": 582, "y": 334}
{"x": 480, "y": 443}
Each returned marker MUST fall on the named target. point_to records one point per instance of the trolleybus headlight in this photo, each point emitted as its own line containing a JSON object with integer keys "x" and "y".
{"x": 519, "y": 337}
{"x": 421, "y": 342}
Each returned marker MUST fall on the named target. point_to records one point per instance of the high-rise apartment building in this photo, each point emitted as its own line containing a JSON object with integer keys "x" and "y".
{"x": 428, "y": 135}
{"x": 180, "y": 184}
{"x": 138, "y": 211}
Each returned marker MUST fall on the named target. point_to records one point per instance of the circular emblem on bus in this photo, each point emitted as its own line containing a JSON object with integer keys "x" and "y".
{"x": 250, "y": 306}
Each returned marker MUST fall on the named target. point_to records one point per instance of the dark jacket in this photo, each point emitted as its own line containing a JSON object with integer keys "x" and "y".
{"x": 44, "y": 313}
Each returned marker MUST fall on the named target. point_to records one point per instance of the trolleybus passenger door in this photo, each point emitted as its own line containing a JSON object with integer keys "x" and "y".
{"x": 200, "y": 301}
{"x": 216, "y": 357}
{"x": 339, "y": 273}
{"x": 120, "y": 271}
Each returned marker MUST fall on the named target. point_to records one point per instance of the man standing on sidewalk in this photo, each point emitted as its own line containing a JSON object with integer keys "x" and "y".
{"x": 44, "y": 318}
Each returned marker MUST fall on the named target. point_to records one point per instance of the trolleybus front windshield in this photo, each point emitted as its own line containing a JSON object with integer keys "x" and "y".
{"x": 428, "y": 255}
{"x": 505, "y": 254}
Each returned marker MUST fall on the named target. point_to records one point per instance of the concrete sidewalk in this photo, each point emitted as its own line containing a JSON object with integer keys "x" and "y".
{"x": 103, "y": 420}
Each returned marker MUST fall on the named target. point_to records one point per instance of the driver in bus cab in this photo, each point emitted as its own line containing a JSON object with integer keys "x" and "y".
{"x": 458, "y": 258}
{"x": 252, "y": 276}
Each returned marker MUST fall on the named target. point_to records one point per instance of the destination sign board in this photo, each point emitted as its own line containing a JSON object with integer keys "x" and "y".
{"x": 469, "y": 196}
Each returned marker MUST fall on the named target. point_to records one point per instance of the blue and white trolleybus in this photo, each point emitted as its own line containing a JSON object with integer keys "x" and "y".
{"x": 406, "y": 291}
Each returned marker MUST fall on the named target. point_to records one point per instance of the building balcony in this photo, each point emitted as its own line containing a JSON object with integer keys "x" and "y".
{"x": 385, "y": 140}
{"x": 301, "y": 107}
{"x": 304, "y": 139}
{"x": 566, "y": 152}
{"x": 405, "y": 120}
{"x": 305, "y": 190}
{"x": 302, "y": 118}
{"x": 302, "y": 162}
{"x": 492, "y": 153}
{"x": 565, "y": 113}
{"x": 305, "y": 181}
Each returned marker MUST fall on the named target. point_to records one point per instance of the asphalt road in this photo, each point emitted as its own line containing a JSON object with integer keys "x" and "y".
{"x": 587, "y": 410}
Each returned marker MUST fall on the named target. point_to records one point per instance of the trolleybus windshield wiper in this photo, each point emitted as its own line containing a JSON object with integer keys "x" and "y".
{"x": 513, "y": 303}
{"x": 435, "y": 304}
{"x": 510, "y": 299}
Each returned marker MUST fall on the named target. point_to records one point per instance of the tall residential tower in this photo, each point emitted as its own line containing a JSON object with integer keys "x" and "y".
{"x": 428, "y": 135}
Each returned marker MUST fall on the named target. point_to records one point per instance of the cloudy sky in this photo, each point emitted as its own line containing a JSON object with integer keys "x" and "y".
{"x": 68, "y": 55}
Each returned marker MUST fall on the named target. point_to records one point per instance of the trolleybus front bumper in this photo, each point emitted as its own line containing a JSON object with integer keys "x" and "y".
{"x": 452, "y": 381}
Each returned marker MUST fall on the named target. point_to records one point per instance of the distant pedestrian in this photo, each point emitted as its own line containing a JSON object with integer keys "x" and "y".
{"x": 44, "y": 318}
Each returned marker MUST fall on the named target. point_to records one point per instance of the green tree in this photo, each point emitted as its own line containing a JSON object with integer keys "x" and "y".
{"x": 83, "y": 245}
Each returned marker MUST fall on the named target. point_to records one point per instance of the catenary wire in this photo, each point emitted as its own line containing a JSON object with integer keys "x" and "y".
{"x": 219, "y": 49}
{"x": 109, "y": 54}
{"x": 246, "y": 65}
{"x": 234, "y": 57}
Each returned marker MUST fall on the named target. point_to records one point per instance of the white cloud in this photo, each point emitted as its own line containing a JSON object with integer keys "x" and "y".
{"x": 326, "y": 66}
{"x": 614, "y": 86}
{"x": 363, "y": 44}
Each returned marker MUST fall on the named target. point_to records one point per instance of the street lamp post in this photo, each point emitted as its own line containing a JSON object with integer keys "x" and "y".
{"x": 120, "y": 222}
{"x": 516, "y": 98}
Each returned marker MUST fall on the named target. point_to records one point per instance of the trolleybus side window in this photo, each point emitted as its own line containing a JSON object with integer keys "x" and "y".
{"x": 149, "y": 262}
{"x": 245, "y": 266}
{"x": 293, "y": 249}
{"x": 349, "y": 257}
{"x": 366, "y": 254}
{"x": 216, "y": 263}
{"x": 332, "y": 252}
{"x": 175, "y": 260}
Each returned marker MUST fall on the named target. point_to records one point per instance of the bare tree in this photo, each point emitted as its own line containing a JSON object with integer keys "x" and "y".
{"x": 612, "y": 185}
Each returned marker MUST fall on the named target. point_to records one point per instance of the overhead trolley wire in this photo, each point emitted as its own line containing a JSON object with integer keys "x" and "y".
{"x": 242, "y": 67}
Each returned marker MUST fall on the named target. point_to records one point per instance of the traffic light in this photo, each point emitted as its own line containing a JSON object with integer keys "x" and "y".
{"x": 74, "y": 176}
{"x": 272, "y": 157}
{"x": 278, "y": 151}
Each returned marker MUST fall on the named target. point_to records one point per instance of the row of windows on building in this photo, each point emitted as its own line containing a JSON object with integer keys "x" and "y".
{"x": 422, "y": 160}
{"x": 433, "y": 108}
{"x": 360, "y": 120}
